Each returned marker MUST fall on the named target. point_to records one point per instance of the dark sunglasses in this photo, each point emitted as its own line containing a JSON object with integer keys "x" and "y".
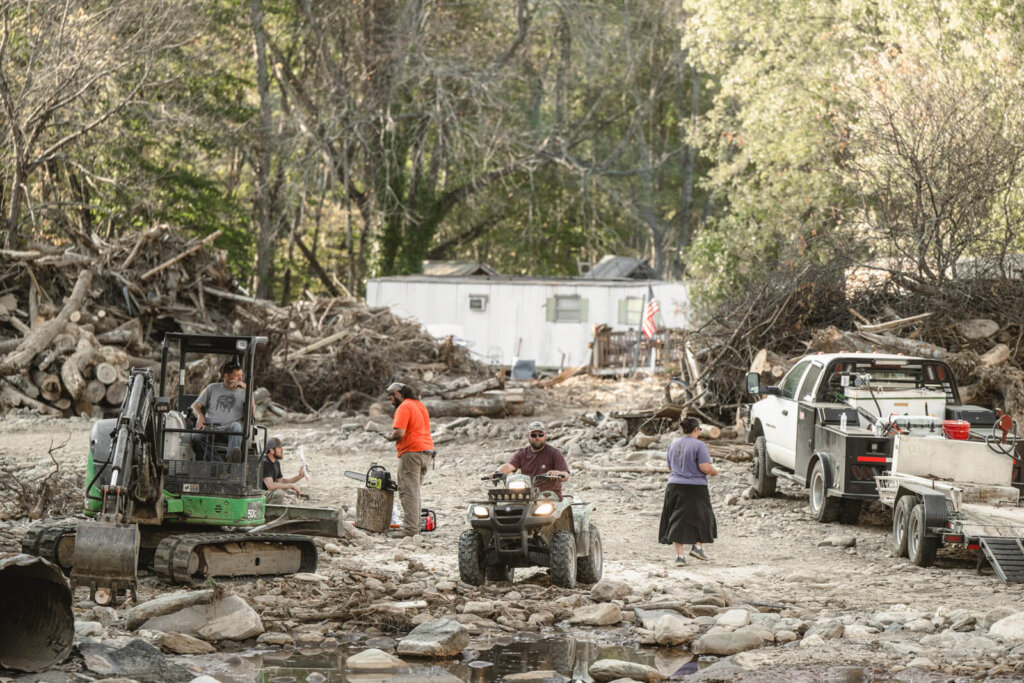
{"x": 536, "y": 434}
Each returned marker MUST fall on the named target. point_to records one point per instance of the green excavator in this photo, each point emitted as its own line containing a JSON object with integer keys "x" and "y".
{"x": 157, "y": 497}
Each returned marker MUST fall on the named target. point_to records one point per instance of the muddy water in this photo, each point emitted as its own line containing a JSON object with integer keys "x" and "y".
{"x": 481, "y": 662}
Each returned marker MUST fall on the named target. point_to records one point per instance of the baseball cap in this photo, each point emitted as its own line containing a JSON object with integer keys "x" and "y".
{"x": 393, "y": 387}
{"x": 273, "y": 442}
{"x": 536, "y": 427}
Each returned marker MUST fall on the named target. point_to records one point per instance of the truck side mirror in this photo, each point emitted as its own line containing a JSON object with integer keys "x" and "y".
{"x": 753, "y": 383}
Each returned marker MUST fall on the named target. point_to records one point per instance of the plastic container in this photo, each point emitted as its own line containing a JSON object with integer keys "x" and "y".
{"x": 956, "y": 429}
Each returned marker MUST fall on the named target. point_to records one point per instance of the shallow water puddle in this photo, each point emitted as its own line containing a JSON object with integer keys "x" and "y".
{"x": 482, "y": 662}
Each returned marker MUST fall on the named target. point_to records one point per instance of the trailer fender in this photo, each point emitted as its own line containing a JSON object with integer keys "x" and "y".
{"x": 934, "y": 503}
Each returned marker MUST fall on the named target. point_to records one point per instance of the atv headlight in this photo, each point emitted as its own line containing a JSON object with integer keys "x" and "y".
{"x": 518, "y": 485}
{"x": 544, "y": 509}
{"x": 481, "y": 511}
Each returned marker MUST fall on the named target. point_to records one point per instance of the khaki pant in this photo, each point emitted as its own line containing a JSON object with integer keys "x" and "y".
{"x": 412, "y": 467}
{"x": 278, "y": 497}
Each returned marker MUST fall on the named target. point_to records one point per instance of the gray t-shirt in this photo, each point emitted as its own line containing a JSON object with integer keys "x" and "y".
{"x": 684, "y": 457}
{"x": 222, "y": 405}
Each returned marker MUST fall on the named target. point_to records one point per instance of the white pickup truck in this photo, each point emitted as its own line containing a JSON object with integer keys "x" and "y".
{"x": 830, "y": 424}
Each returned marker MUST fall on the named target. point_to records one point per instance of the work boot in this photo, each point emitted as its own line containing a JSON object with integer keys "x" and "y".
{"x": 401, "y": 533}
{"x": 235, "y": 455}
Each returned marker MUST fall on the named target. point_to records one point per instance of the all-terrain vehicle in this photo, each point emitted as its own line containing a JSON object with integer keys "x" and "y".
{"x": 521, "y": 526}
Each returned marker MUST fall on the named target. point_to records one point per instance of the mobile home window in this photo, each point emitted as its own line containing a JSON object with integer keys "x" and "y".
{"x": 566, "y": 309}
{"x": 630, "y": 310}
{"x": 478, "y": 302}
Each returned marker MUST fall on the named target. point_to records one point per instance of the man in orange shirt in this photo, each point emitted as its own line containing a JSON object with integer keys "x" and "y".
{"x": 411, "y": 432}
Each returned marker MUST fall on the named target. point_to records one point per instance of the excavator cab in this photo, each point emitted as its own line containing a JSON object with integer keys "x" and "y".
{"x": 202, "y": 458}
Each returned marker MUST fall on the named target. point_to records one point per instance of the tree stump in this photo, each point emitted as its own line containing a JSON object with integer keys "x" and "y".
{"x": 116, "y": 393}
{"x": 106, "y": 373}
{"x": 373, "y": 509}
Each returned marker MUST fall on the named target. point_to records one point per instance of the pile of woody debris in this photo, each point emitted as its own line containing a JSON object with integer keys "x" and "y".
{"x": 75, "y": 318}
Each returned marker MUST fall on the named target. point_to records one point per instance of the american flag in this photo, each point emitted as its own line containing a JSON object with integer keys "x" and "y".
{"x": 650, "y": 310}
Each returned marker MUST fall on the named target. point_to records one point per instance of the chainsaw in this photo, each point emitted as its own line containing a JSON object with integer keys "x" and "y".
{"x": 377, "y": 477}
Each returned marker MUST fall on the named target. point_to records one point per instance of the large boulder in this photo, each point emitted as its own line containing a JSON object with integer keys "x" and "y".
{"x": 373, "y": 661}
{"x": 228, "y": 619}
{"x": 612, "y": 669}
{"x": 601, "y": 614}
{"x": 1009, "y": 628}
{"x": 138, "y": 659}
{"x": 436, "y": 639}
{"x": 719, "y": 641}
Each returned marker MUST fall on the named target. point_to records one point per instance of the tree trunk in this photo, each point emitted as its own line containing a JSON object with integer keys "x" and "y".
{"x": 261, "y": 167}
{"x": 41, "y": 336}
{"x": 373, "y": 509}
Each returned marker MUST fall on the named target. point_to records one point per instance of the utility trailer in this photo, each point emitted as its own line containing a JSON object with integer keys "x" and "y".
{"x": 956, "y": 493}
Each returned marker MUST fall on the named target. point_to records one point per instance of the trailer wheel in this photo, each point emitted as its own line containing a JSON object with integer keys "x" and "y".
{"x": 900, "y": 518}
{"x": 921, "y": 547}
{"x": 563, "y": 559}
{"x": 823, "y": 508}
{"x": 471, "y": 558}
{"x": 764, "y": 483}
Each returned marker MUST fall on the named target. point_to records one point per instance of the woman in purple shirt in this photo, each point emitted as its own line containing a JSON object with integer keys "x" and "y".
{"x": 687, "y": 517}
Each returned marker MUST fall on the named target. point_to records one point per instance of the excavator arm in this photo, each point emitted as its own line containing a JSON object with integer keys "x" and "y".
{"x": 107, "y": 547}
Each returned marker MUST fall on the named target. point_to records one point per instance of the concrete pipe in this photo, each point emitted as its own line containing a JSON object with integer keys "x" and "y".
{"x": 38, "y": 626}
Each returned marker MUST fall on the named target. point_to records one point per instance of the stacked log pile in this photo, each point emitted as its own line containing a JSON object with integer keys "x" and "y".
{"x": 74, "y": 319}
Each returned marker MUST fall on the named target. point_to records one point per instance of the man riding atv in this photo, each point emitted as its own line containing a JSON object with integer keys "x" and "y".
{"x": 525, "y": 522}
{"x": 539, "y": 458}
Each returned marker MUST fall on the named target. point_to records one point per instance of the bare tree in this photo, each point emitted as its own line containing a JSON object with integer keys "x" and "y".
{"x": 937, "y": 160}
{"x": 67, "y": 69}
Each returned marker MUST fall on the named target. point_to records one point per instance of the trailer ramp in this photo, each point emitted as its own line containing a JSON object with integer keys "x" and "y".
{"x": 1006, "y": 555}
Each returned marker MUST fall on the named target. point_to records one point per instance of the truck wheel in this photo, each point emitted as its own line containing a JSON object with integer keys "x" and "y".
{"x": 563, "y": 559}
{"x": 590, "y": 568}
{"x": 823, "y": 508}
{"x": 500, "y": 572}
{"x": 900, "y": 518}
{"x": 921, "y": 547}
{"x": 764, "y": 483}
{"x": 471, "y": 558}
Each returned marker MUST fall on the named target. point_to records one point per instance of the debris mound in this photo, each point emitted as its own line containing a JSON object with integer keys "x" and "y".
{"x": 75, "y": 317}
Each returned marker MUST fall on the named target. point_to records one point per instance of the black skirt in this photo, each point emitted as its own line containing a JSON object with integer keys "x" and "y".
{"x": 686, "y": 516}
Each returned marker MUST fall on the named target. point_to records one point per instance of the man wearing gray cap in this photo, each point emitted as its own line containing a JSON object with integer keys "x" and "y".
{"x": 539, "y": 458}
{"x": 271, "y": 478}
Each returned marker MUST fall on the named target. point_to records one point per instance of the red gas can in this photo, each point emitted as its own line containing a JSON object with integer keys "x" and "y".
{"x": 956, "y": 429}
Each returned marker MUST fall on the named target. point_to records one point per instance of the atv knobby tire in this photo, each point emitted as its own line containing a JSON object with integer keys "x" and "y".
{"x": 590, "y": 568}
{"x": 764, "y": 482}
{"x": 563, "y": 559}
{"x": 471, "y": 558}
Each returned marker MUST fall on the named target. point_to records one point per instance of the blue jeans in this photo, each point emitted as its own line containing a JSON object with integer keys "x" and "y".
{"x": 204, "y": 445}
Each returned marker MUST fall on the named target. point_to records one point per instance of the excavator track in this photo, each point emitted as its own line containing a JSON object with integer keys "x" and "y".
{"x": 53, "y": 541}
{"x": 193, "y": 558}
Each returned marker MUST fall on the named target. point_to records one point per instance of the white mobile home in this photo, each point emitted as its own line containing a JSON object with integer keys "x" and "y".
{"x": 549, "y": 321}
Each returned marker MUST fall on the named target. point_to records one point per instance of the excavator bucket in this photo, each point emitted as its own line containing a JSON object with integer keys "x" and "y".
{"x": 106, "y": 559}
{"x": 38, "y": 626}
